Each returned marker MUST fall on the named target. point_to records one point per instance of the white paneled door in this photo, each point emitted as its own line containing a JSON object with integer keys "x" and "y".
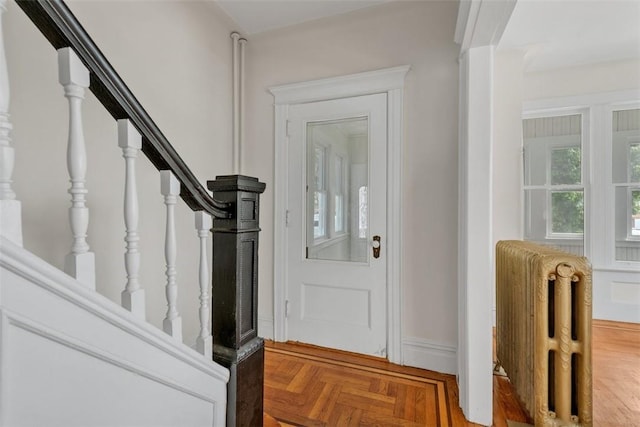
{"x": 336, "y": 224}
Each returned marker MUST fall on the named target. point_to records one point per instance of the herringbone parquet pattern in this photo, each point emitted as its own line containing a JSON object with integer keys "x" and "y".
{"x": 307, "y": 390}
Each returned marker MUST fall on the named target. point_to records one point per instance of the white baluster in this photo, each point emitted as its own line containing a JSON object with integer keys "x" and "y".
{"x": 74, "y": 77}
{"x": 172, "y": 323}
{"x": 204, "y": 342}
{"x": 10, "y": 216}
{"x": 130, "y": 141}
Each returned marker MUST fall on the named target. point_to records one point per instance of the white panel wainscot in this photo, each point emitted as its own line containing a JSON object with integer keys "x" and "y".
{"x": 616, "y": 295}
{"x": 70, "y": 357}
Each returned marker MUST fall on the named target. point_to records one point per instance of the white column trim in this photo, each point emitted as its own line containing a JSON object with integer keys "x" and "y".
{"x": 390, "y": 81}
{"x": 475, "y": 275}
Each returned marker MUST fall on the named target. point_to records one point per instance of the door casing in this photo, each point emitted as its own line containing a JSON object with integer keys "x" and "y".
{"x": 389, "y": 81}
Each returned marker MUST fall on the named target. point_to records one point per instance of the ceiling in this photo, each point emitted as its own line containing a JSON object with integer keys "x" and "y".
{"x": 554, "y": 33}
{"x": 257, "y": 16}
{"x": 563, "y": 33}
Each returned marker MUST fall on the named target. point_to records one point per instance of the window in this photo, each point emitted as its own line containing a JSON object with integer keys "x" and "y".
{"x": 567, "y": 207}
{"x": 634, "y": 201}
{"x": 626, "y": 182}
{"x": 363, "y": 215}
{"x": 320, "y": 193}
{"x": 339, "y": 189}
{"x": 554, "y": 189}
{"x": 633, "y": 210}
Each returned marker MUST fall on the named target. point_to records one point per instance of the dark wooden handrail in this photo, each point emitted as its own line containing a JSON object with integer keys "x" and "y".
{"x": 58, "y": 24}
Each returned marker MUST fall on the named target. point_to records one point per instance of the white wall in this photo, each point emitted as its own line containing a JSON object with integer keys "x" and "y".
{"x": 584, "y": 79}
{"x": 415, "y": 33}
{"x": 616, "y": 287}
{"x": 175, "y": 57}
{"x": 507, "y": 148}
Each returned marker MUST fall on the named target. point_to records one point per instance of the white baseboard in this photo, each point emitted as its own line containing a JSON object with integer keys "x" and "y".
{"x": 425, "y": 354}
{"x": 265, "y": 327}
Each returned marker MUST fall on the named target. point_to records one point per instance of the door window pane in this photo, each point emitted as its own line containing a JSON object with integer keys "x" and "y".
{"x": 362, "y": 212}
{"x": 338, "y": 167}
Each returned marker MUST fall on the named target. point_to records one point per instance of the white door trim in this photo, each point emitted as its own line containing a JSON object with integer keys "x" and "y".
{"x": 389, "y": 81}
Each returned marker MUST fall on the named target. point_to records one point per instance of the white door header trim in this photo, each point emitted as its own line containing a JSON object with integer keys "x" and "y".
{"x": 366, "y": 83}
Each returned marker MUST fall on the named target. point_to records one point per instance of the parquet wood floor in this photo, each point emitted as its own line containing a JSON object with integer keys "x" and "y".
{"x": 616, "y": 374}
{"x": 315, "y": 390}
{"x": 312, "y": 386}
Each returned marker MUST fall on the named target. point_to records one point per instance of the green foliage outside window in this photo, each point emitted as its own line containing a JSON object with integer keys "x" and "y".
{"x": 635, "y": 202}
{"x": 566, "y": 166}
{"x": 634, "y": 158}
{"x": 567, "y": 209}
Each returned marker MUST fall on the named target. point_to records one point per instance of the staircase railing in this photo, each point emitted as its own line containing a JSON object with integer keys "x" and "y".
{"x": 231, "y": 213}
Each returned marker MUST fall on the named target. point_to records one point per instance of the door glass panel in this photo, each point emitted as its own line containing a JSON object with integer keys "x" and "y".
{"x": 337, "y": 185}
{"x": 626, "y": 180}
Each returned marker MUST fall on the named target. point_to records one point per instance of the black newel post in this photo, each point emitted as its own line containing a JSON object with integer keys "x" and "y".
{"x": 235, "y": 297}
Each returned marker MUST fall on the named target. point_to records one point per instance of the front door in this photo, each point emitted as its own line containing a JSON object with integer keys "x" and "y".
{"x": 337, "y": 204}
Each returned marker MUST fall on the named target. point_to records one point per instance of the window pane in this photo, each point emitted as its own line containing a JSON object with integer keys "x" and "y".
{"x": 567, "y": 210}
{"x": 339, "y": 213}
{"x": 362, "y": 213}
{"x": 565, "y": 166}
{"x": 626, "y": 173}
{"x": 627, "y": 223}
{"x": 635, "y": 213}
{"x": 536, "y": 213}
{"x": 319, "y": 209}
{"x": 550, "y": 144}
{"x": 634, "y": 162}
{"x": 626, "y": 146}
{"x": 338, "y": 190}
{"x": 320, "y": 153}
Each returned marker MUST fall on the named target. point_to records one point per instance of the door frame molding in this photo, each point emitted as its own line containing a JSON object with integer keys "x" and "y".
{"x": 390, "y": 81}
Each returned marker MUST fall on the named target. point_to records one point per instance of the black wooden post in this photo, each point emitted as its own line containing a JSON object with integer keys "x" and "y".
{"x": 235, "y": 297}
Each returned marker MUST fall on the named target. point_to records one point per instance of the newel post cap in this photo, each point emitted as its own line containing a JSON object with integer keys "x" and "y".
{"x": 236, "y": 183}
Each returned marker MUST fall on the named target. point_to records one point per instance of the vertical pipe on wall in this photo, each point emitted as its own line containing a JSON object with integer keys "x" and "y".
{"x": 241, "y": 101}
{"x": 236, "y": 104}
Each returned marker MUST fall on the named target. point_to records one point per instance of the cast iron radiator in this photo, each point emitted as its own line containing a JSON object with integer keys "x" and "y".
{"x": 543, "y": 330}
